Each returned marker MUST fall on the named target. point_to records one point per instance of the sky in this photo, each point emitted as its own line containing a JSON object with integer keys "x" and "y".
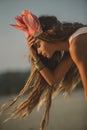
{"x": 13, "y": 47}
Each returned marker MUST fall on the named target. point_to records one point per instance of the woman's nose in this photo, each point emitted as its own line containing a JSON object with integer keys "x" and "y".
{"x": 39, "y": 51}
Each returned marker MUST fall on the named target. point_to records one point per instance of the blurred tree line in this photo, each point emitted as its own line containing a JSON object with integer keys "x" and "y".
{"x": 12, "y": 82}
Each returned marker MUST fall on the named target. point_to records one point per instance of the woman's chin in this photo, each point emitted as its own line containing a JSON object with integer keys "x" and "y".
{"x": 47, "y": 56}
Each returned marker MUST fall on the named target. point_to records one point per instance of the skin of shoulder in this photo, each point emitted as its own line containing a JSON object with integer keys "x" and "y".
{"x": 78, "y": 48}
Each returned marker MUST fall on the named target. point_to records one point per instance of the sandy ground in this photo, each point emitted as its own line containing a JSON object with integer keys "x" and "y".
{"x": 66, "y": 114}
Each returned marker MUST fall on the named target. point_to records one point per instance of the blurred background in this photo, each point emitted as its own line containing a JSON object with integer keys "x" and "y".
{"x": 65, "y": 114}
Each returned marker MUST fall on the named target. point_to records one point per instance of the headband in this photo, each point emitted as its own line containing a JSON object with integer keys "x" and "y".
{"x": 28, "y": 23}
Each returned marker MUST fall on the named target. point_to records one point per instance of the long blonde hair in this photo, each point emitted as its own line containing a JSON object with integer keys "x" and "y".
{"x": 39, "y": 91}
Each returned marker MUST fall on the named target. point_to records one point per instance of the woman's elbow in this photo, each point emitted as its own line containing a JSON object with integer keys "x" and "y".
{"x": 53, "y": 82}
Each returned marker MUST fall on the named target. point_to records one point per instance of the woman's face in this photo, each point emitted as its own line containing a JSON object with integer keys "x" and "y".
{"x": 44, "y": 48}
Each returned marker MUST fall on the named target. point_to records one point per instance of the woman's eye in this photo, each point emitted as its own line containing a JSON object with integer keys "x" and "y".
{"x": 37, "y": 45}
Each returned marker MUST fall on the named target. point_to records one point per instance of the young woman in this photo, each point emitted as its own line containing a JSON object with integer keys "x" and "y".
{"x": 67, "y": 37}
{"x": 59, "y": 60}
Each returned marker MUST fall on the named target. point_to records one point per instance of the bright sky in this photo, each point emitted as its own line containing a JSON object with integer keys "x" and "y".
{"x": 13, "y": 49}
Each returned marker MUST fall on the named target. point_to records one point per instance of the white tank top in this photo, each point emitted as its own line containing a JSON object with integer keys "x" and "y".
{"x": 78, "y": 32}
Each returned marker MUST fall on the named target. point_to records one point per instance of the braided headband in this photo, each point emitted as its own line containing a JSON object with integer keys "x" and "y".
{"x": 28, "y": 23}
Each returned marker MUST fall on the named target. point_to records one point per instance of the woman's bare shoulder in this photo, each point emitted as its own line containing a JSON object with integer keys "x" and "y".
{"x": 80, "y": 40}
{"x": 78, "y": 46}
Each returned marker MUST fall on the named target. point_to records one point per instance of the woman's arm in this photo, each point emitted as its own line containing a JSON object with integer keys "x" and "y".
{"x": 53, "y": 77}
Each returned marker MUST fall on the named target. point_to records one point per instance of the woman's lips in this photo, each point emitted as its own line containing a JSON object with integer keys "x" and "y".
{"x": 44, "y": 55}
